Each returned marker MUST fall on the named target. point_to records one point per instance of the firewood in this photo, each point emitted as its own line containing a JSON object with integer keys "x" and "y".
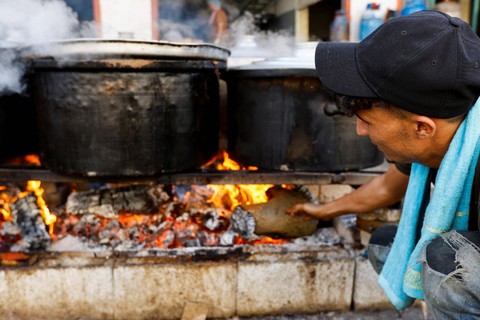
{"x": 108, "y": 202}
{"x": 26, "y": 216}
{"x": 270, "y": 218}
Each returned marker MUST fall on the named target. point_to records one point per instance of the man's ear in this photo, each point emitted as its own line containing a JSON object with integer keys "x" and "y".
{"x": 425, "y": 127}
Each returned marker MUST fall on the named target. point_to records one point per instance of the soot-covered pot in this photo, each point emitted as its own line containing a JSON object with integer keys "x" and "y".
{"x": 114, "y": 108}
{"x": 282, "y": 118}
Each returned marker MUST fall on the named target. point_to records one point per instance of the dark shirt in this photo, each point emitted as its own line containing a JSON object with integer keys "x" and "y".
{"x": 473, "y": 220}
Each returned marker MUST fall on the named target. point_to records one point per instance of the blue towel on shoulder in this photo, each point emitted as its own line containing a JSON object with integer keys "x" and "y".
{"x": 448, "y": 210}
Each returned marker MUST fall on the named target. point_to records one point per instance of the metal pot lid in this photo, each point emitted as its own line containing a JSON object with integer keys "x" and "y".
{"x": 280, "y": 63}
{"x": 100, "y": 48}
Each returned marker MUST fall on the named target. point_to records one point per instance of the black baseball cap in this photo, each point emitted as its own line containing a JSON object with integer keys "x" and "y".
{"x": 427, "y": 63}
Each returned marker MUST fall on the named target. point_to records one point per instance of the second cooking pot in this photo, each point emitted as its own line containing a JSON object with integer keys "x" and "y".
{"x": 279, "y": 119}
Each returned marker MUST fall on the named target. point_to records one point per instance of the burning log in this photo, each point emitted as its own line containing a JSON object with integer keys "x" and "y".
{"x": 26, "y": 216}
{"x": 270, "y": 218}
{"x": 110, "y": 201}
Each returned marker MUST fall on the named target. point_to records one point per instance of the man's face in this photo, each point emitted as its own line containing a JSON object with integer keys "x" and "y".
{"x": 389, "y": 133}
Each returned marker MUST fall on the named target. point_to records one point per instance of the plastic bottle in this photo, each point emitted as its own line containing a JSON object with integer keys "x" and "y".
{"x": 339, "y": 27}
{"x": 411, "y": 6}
{"x": 371, "y": 19}
{"x": 450, "y": 7}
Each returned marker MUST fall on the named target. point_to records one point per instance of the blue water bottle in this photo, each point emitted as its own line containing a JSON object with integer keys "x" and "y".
{"x": 339, "y": 27}
{"x": 412, "y": 6}
{"x": 371, "y": 20}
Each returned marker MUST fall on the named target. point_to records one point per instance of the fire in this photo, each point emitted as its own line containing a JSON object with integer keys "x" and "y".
{"x": 32, "y": 159}
{"x": 186, "y": 216}
{"x": 7, "y": 198}
{"x": 5, "y": 204}
{"x": 263, "y": 240}
{"x": 231, "y": 195}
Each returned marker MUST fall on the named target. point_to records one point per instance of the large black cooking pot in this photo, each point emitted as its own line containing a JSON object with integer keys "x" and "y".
{"x": 281, "y": 118}
{"x": 126, "y": 108}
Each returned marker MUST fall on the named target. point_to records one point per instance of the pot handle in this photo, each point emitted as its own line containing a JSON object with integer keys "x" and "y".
{"x": 331, "y": 109}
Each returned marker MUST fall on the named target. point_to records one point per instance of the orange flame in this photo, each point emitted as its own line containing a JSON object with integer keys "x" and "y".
{"x": 32, "y": 159}
{"x": 231, "y": 195}
{"x": 263, "y": 240}
{"x": 5, "y": 205}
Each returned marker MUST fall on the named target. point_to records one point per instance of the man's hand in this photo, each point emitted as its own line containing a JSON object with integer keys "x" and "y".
{"x": 308, "y": 211}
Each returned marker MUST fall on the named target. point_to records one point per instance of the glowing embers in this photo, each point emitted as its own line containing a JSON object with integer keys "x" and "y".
{"x": 126, "y": 217}
{"x": 148, "y": 216}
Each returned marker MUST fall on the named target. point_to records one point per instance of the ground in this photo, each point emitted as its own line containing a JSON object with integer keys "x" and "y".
{"x": 410, "y": 314}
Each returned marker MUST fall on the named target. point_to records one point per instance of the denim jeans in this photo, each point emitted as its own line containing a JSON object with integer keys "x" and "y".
{"x": 451, "y": 271}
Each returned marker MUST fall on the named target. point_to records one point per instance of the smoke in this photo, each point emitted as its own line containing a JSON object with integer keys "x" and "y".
{"x": 27, "y": 22}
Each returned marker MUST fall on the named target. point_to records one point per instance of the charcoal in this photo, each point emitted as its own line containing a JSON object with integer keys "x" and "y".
{"x": 212, "y": 221}
{"x": 207, "y": 239}
{"x": 195, "y": 242}
{"x": 158, "y": 195}
{"x": 9, "y": 235}
{"x": 165, "y": 239}
{"x": 26, "y": 215}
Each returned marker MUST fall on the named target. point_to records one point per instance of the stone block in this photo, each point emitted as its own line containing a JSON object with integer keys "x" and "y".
{"x": 314, "y": 190}
{"x": 294, "y": 287}
{"x": 367, "y": 293}
{"x": 162, "y": 291}
{"x": 57, "y": 293}
{"x": 330, "y": 192}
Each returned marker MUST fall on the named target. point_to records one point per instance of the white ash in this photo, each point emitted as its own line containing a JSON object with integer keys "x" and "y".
{"x": 323, "y": 236}
{"x": 228, "y": 238}
{"x": 9, "y": 228}
{"x": 69, "y": 243}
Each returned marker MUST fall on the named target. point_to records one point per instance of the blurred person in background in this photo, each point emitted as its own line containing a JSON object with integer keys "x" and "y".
{"x": 218, "y": 22}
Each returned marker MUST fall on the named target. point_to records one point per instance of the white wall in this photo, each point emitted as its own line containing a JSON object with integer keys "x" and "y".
{"x": 356, "y": 10}
{"x": 126, "y": 19}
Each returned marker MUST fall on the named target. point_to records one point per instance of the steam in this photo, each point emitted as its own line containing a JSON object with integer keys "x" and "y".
{"x": 184, "y": 20}
{"x": 11, "y": 72}
{"x": 35, "y": 21}
{"x": 27, "y": 22}
{"x": 248, "y": 40}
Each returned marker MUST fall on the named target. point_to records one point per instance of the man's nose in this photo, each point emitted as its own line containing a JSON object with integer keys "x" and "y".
{"x": 362, "y": 128}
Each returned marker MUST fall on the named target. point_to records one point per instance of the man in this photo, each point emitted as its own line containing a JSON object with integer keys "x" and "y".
{"x": 413, "y": 85}
{"x": 218, "y": 22}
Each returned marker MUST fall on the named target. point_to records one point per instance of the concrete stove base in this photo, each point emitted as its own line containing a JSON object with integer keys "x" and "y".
{"x": 240, "y": 281}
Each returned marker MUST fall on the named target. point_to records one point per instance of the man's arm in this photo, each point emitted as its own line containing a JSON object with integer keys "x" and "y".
{"x": 383, "y": 190}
